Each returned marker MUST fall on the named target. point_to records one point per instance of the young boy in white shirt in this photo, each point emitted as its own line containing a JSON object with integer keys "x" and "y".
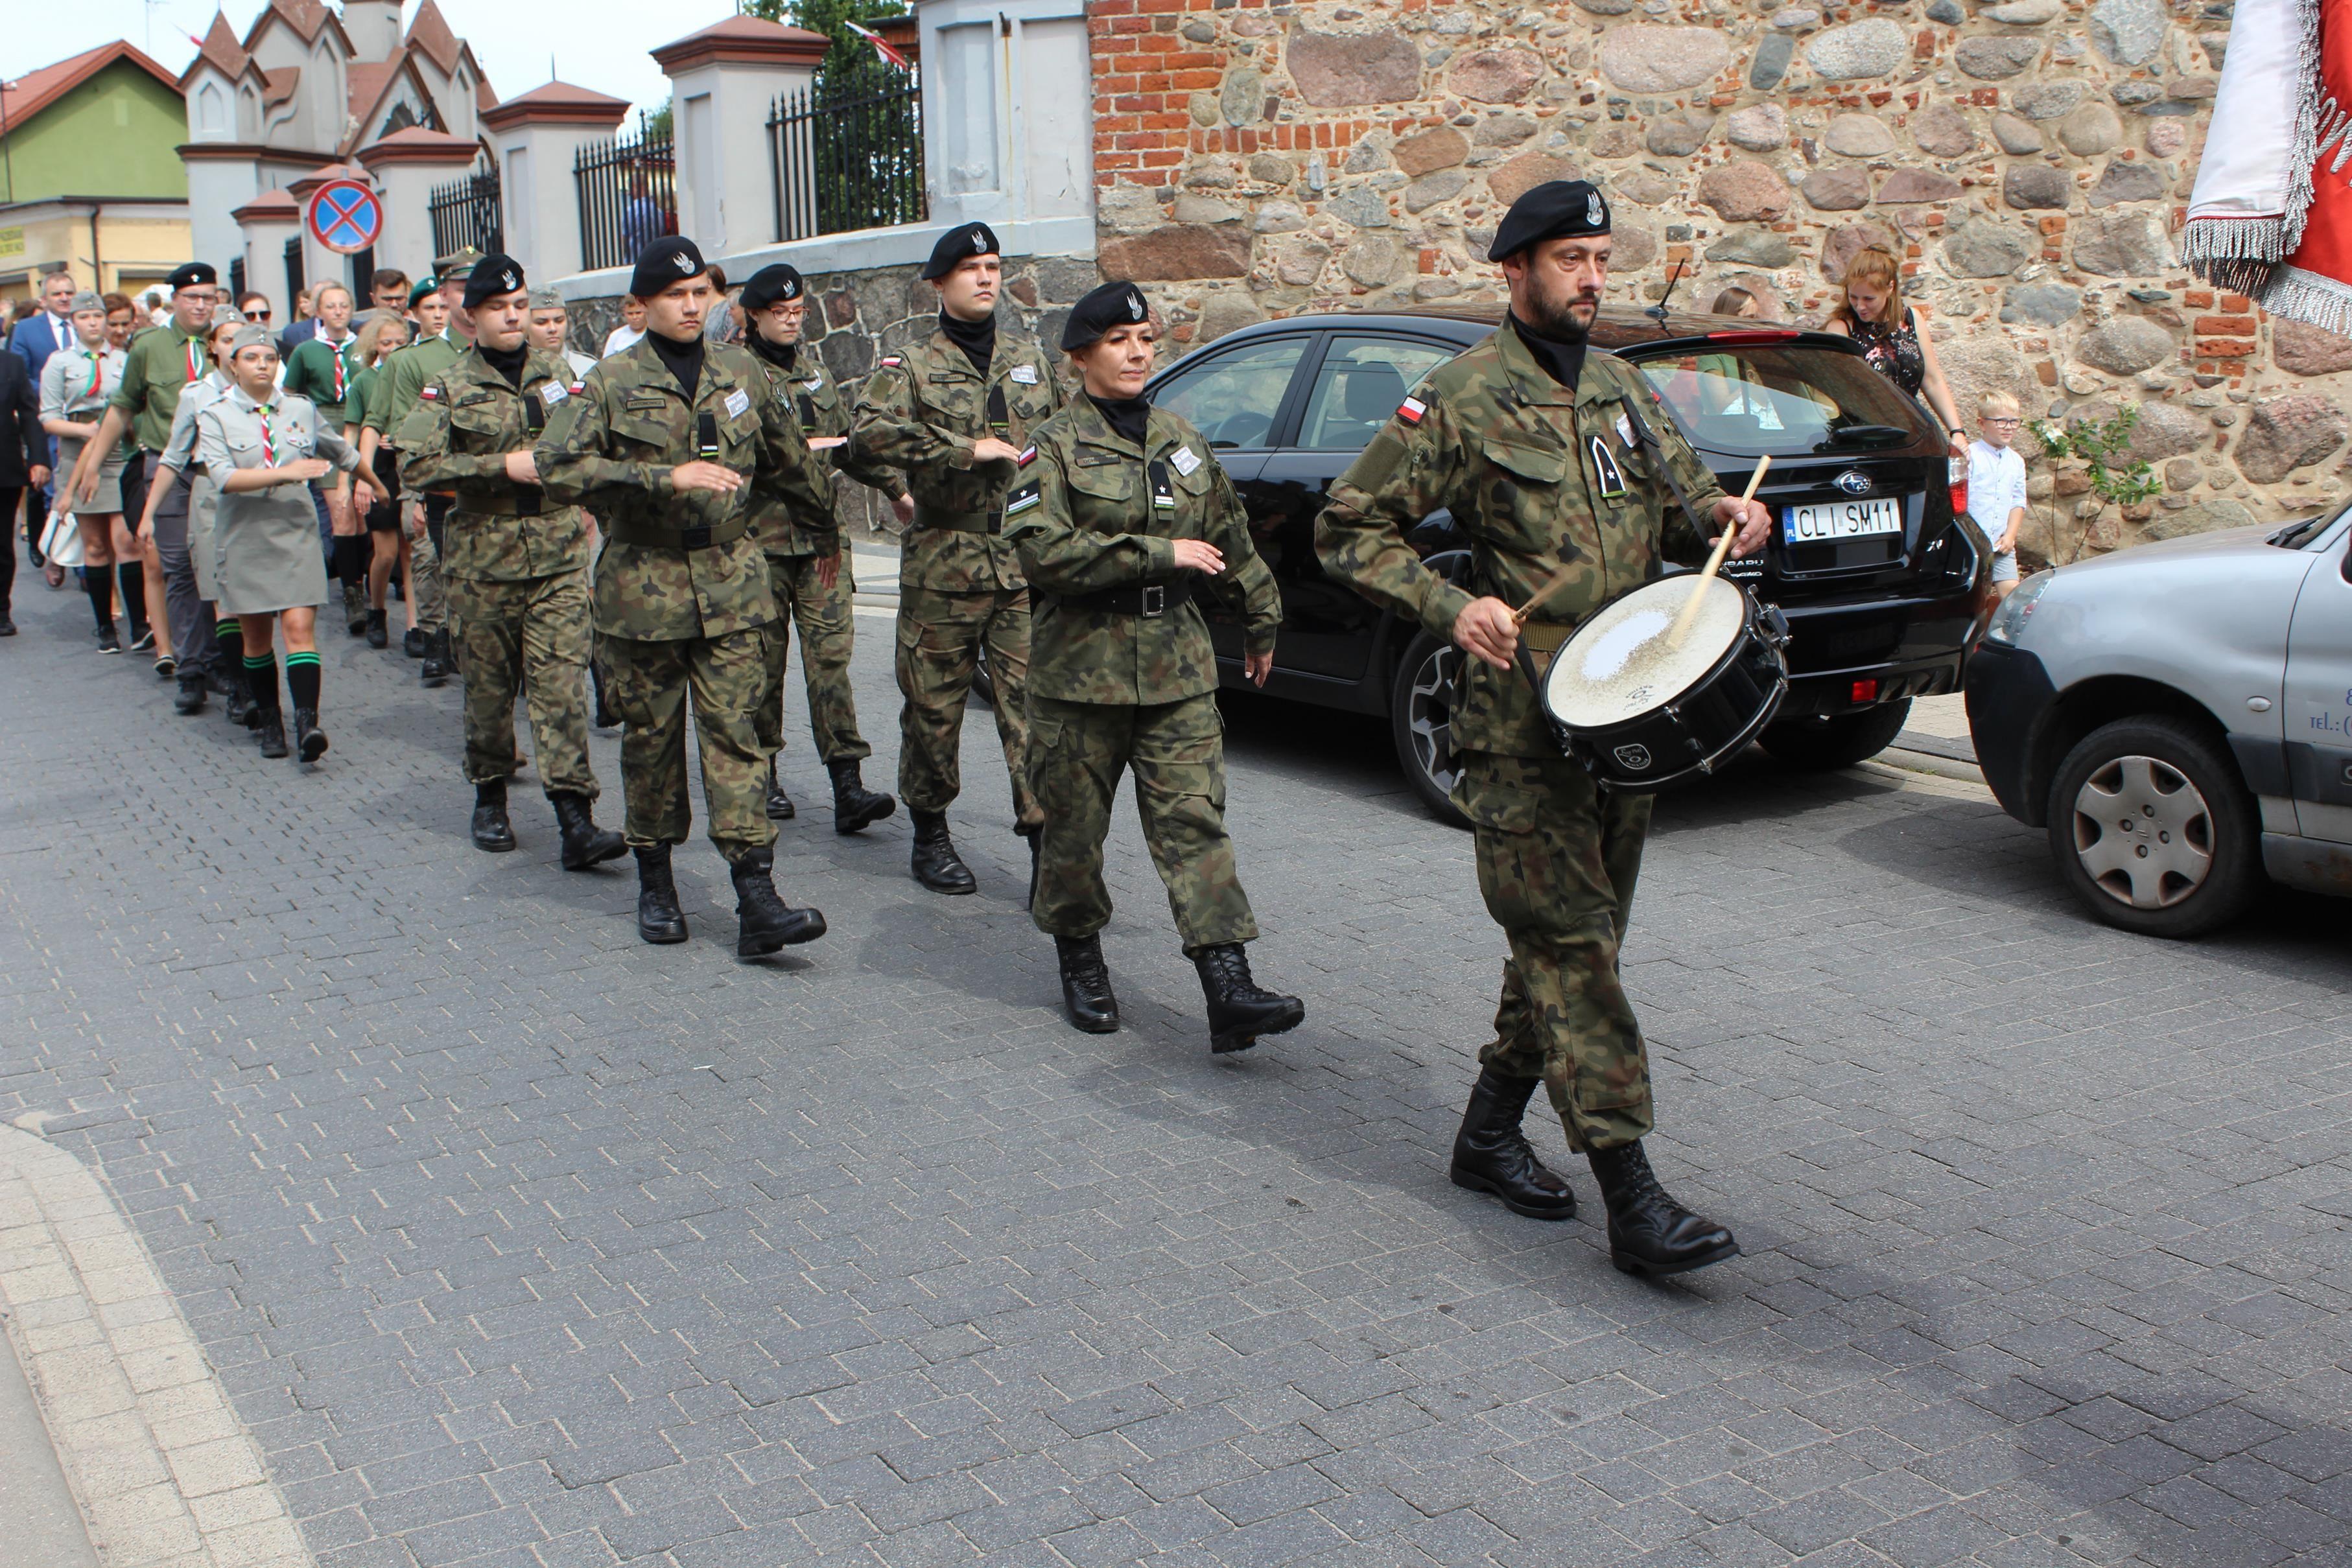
{"x": 1997, "y": 485}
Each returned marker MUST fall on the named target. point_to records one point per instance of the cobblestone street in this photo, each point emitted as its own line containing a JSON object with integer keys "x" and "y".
{"x": 520, "y": 1244}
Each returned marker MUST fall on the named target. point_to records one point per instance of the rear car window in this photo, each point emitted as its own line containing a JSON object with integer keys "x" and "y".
{"x": 1752, "y": 399}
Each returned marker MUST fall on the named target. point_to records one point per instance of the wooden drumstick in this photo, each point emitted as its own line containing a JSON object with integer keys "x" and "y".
{"x": 1559, "y": 581}
{"x": 1713, "y": 562}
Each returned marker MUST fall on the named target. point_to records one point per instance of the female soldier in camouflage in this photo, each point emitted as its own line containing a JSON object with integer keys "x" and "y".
{"x": 1120, "y": 512}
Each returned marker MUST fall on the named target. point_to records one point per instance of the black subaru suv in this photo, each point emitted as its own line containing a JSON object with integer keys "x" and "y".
{"x": 1882, "y": 586}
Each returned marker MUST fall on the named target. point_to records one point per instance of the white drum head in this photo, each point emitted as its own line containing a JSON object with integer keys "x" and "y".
{"x": 1622, "y": 664}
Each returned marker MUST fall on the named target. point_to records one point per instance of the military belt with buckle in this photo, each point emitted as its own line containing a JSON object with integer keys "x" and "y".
{"x": 1149, "y": 600}
{"x": 657, "y": 536}
{"x": 958, "y": 522}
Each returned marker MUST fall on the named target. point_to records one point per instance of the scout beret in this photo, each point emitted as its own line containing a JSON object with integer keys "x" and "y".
{"x": 1556, "y": 209}
{"x": 1112, "y": 305}
{"x": 546, "y": 300}
{"x": 669, "y": 259}
{"x": 959, "y": 245}
{"x": 779, "y": 284}
{"x": 456, "y": 265}
{"x": 189, "y": 273}
{"x": 250, "y": 336}
{"x": 492, "y": 276}
{"x": 83, "y": 300}
{"x": 425, "y": 284}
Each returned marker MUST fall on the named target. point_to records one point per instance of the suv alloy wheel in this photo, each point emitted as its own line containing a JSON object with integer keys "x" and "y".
{"x": 1421, "y": 723}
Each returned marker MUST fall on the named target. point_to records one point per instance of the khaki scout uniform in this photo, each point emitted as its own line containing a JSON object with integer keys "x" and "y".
{"x": 1122, "y": 674}
{"x": 516, "y": 567}
{"x": 681, "y": 588}
{"x": 405, "y": 374}
{"x": 157, "y": 367}
{"x": 959, "y": 583}
{"x": 793, "y": 548}
{"x": 1538, "y": 478}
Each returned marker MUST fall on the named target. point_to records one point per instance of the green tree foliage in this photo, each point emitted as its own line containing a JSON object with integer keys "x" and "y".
{"x": 850, "y": 55}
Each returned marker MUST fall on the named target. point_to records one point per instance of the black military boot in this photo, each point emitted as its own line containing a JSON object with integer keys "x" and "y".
{"x": 434, "y": 670}
{"x": 309, "y": 738}
{"x": 659, "y": 919}
{"x": 379, "y": 636}
{"x": 780, "y": 805}
{"x": 1036, "y": 837}
{"x": 584, "y": 843}
{"x": 241, "y": 710}
{"x": 1491, "y": 1155}
{"x": 270, "y": 725}
{"x": 1086, "y": 984}
{"x": 492, "y": 831}
{"x": 936, "y": 865}
{"x": 853, "y": 805}
{"x": 767, "y": 922}
{"x": 1238, "y": 1010}
{"x": 191, "y": 699}
{"x": 355, "y": 610}
{"x": 411, "y": 642}
{"x": 1649, "y": 1232}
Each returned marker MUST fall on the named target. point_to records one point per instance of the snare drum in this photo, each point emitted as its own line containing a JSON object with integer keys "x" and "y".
{"x": 1641, "y": 714}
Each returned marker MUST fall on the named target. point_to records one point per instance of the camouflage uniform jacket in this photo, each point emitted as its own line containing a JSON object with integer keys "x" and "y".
{"x": 808, "y": 390}
{"x": 458, "y": 438}
{"x": 921, "y": 413}
{"x": 611, "y": 447}
{"x": 1094, "y": 512}
{"x": 1538, "y": 480}
{"x": 404, "y": 374}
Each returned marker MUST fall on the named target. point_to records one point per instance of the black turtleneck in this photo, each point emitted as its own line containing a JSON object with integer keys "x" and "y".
{"x": 683, "y": 359}
{"x": 976, "y": 339}
{"x": 1128, "y": 415}
{"x": 1562, "y": 361}
{"x": 785, "y": 357}
{"x": 508, "y": 362}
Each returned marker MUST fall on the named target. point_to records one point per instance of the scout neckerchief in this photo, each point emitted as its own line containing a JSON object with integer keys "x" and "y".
{"x": 335, "y": 352}
{"x": 269, "y": 443}
{"x": 197, "y": 362}
{"x": 95, "y": 374}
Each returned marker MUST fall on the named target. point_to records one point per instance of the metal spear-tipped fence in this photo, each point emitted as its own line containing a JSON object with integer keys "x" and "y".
{"x": 628, "y": 196}
{"x": 848, "y": 158}
{"x": 466, "y": 215}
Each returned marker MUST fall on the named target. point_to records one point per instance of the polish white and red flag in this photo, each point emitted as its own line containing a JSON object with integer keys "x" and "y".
{"x": 881, "y": 46}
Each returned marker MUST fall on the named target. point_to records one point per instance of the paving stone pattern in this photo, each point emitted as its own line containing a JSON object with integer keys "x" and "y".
{"x": 522, "y": 1245}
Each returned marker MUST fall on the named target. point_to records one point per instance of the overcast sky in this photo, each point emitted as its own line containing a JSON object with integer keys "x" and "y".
{"x": 600, "y": 44}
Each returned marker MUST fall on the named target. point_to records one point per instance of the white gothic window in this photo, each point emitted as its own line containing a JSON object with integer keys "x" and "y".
{"x": 211, "y": 110}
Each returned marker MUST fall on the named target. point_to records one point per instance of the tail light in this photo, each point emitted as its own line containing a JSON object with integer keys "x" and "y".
{"x": 1956, "y": 470}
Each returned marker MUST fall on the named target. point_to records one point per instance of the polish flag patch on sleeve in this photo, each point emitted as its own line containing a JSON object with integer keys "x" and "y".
{"x": 431, "y": 394}
{"x": 890, "y": 360}
{"x": 1028, "y": 455}
{"x": 1410, "y": 410}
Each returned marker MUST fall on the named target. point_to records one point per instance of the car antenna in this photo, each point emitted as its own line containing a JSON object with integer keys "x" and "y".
{"x": 1658, "y": 312}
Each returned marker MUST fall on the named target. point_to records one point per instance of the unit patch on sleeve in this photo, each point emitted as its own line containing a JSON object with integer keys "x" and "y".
{"x": 1022, "y": 499}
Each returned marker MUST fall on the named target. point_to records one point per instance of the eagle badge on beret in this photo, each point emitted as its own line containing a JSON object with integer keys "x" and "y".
{"x": 509, "y": 279}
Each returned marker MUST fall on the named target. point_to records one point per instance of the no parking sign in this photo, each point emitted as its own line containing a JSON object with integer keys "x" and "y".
{"x": 345, "y": 216}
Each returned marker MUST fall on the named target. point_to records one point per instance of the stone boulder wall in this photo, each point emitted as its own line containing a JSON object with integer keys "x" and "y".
{"x": 2028, "y": 160}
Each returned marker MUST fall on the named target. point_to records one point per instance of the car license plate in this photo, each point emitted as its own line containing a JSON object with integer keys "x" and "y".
{"x": 1833, "y": 520}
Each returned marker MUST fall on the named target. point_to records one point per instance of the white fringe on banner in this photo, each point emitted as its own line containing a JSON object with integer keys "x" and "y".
{"x": 2309, "y": 297}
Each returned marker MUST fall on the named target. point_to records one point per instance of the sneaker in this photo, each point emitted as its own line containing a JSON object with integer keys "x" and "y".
{"x": 7, "y": 627}
{"x": 141, "y": 639}
{"x": 110, "y": 641}
{"x": 166, "y": 667}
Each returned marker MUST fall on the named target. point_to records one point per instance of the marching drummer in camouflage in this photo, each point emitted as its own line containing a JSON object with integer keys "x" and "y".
{"x": 1529, "y": 439}
{"x": 663, "y": 442}
{"x": 1122, "y": 513}
{"x": 807, "y": 566}
{"x": 515, "y": 568}
{"x": 952, "y": 411}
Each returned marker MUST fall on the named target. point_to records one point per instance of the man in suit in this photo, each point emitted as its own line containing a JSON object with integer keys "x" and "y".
{"x": 24, "y": 465}
{"x": 36, "y": 337}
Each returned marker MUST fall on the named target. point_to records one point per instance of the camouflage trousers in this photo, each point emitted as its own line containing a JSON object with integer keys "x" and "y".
{"x": 823, "y": 615}
{"x": 650, "y": 683}
{"x": 1556, "y": 861}
{"x": 1177, "y": 753}
{"x": 940, "y": 639}
{"x": 526, "y": 636}
{"x": 428, "y": 599}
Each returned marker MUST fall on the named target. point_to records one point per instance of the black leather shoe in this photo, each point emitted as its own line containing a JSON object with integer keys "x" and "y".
{"x": 411, "y": 642}
{"x": 492, "y": 831}
{"x": 310, "y": 740}
{"x": 379, "y": 636}
{"x": 270, "y": 725}
{"x": 780, "y": 805}
{"x": 7, "y": 626}
{"x": 1086, "y": 984}
{"x": 434, "y": 670}
{"x": 1491, "y": 1155}
{"x": 240, "y": 706}
{"x": 936, "y": 865}
{"x": 584, "y": 843}
{"x": 1649, "y": 1233}
{"x": 659, "y": 919}
{"x": 1238, "y": 1010}
{"x": 854, "y": 807}
{"x": 192, "y": 694}
{"x": 766, "y": 922}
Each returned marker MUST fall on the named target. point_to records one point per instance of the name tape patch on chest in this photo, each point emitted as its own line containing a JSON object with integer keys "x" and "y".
{"x": 1185, "y": 460}
{"x": 554, "y": 393}
{"x": 1410, "y": 410}
{"x": 1025, "y": 375}
{"x": 1625, "y": 432}
{"x": 739, "y": 402}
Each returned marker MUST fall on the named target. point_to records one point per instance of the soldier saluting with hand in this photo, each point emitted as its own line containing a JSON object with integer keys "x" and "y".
{"x": 1528, "y": 438}
{"x": 515, "y": 567}
{"x": 659, "y": 443}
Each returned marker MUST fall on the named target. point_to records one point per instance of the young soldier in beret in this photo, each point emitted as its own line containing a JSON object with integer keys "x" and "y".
{"x": 515, "y": 567}
{"x": 951, "y": 413}
{"x": 1121, "y": 514}
{"x": 806, "y": 560}
{"x": 1527, "y": 439}
{"x": 664, "y": 441}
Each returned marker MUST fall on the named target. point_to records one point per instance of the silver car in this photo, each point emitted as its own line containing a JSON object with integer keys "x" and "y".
{"x": 2179, "y": 716}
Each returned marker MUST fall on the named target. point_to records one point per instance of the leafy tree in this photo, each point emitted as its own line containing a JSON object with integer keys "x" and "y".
{"x": 850, "y": 55}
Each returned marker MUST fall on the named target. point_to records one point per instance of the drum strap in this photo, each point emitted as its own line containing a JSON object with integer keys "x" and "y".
{"x": 1644, "y": 437}
{"x": 1545, "y": 636}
